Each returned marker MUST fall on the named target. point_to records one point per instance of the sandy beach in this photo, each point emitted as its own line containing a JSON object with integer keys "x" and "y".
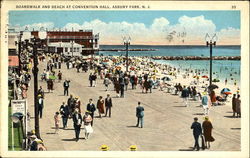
{"x": 145, "y": 65}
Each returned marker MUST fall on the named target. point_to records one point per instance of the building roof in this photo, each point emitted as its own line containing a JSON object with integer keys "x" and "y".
{"x": 13, "y": 61}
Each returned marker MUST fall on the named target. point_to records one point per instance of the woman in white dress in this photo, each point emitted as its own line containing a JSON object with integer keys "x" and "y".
{"x": 87, "y": 123}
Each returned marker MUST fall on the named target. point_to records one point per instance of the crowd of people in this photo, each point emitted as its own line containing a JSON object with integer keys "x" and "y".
{"x": 72, "y": 110}
{"x": 142, "y": 73}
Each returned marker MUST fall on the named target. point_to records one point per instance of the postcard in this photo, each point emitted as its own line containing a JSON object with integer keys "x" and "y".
{"x": 124, "y": 79}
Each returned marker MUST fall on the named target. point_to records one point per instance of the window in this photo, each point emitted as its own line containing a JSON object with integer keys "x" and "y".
{"x": 70, "y": 49}
{"x": 75, "y": 49}
{"x": 78, "y": 50}
{"x": 66, "y": 49}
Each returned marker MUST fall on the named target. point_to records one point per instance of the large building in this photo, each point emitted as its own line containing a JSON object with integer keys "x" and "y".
{"x": 82, "y": 42}
{"x": 12, "y": 47}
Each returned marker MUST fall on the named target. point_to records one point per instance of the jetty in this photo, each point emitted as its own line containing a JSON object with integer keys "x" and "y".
{"x": 195, "y": 58}
{"x": 120, "y": 50}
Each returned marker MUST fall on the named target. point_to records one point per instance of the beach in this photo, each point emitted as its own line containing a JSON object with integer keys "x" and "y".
{"x": 186, "y": 77}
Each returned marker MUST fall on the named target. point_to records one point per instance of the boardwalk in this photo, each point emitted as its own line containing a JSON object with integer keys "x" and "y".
{"x": 167, "y": 121}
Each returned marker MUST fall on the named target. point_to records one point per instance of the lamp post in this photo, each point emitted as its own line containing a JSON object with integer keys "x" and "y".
{"x": 36, "y": 41}
{"x": 35, "y": 74}
{"x": 211, "y": 42}
{"x": 126, "y": 43}
{"x": 72, "y": 43}
{"x": 19, "y": 52}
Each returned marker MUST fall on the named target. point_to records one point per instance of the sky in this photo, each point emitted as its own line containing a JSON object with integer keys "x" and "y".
{"x": 143, "y": 27}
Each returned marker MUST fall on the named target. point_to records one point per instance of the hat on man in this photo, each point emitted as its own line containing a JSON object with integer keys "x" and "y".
{"x": 206, "y": 118}
{"x": 33, "y": 136}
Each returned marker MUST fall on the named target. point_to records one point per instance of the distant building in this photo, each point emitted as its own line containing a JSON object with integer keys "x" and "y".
{"x": 12, "y": 48}
{"x": 82, "y": 42}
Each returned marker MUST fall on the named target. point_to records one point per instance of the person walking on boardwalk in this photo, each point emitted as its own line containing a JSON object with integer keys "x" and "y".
{"x": 100, "y": 106}
{"x": 66, "y": 87}
{"x": 78, "y": 104}
{"x": 139, "y": 115}
{"x": 151, "y": 83}
{"x": 64, "y": 111}
{"x": 206, "y": 103}
{"x": 126, "y": 81}
{"x": 87, "y": 119}
{"x": 56, "y": 119}
{"x": 41, "y": 92}
{"x": 108, "y": 105}
{"x": 122, "y": 84}
{"x": 91, "y": 108}
{"x": 59, "y": 75}
{"x": 207, "y": 131}
{"x": 77, "y": 120}
{"x": 238, "y": 106}
{"x": 70, "y": 104}
{"x": 90, "y": 80}
{"x": 184, "y": 95}
{"x": 106, "y": 82}
{"x": 197, "y": 131}
{"x": 40, "y": 105}
{"x": 234, "y": 104}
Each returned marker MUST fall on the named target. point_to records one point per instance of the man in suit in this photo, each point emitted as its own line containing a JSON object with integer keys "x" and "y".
{"x": 91, "y": 107}
{"x": 41, "y": 91}
{"x": 122, "y": 83}
{"x": 77, "y": 119}
{"x": 197, "y": 131}
{"x": 108, "y": 105}
{"x": 139, "y": 115}
{"x": 184, "y": 95}
{"x": 40, "y": 105}
{"x": 64, "y": 111}
{"x": 66, "y": 87}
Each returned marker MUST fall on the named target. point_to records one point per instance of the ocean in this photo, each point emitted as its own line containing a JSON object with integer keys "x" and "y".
{"x": 222, "y": 69}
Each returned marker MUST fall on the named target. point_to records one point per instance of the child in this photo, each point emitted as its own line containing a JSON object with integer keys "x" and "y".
{"x": 56, "y": 118}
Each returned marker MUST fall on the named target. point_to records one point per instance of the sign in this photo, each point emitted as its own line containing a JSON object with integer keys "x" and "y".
{"x": 18, "y": 106}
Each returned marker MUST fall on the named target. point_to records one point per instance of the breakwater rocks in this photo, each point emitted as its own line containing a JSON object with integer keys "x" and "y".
{"x": 119, "y": 50}
{"x": 195, "y": 58}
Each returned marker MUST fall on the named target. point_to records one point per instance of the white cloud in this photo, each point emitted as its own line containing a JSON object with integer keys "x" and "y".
{"x": 35, "y": 26}
{"x": 191, "y": 30}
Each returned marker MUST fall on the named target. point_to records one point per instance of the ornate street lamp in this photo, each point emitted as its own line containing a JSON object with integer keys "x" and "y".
{"x": 126, "y": 42}
{"x": 72, "y": 46}
{"x": 36, "y": 41}
{"x": 19, "y": 52}
{"x": 211, "y": 42}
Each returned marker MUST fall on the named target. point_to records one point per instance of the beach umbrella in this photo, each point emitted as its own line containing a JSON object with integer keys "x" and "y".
{"x": 195, "y": 76}
{"x": 118, "y": 67}
{"x": 225, "y": 90}
{"x": 166, "y": 78}
{"x": 205, "y": 76}
{"x": 132, "y": 68}
{"x": 104, "y": 63}
{"x": 216, "y": 80}
{"x": 227, "y": 93}
{"x": 52, "y": 77}
{"x": 212, "y": 86}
